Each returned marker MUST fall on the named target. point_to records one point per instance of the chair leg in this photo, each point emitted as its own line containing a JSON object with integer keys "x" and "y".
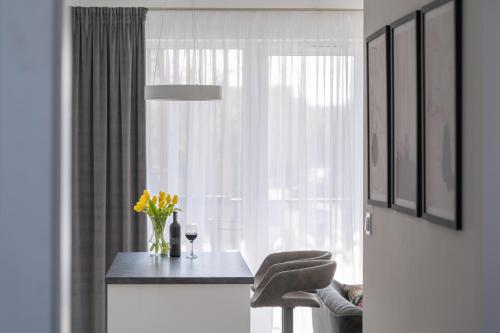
{"x": 287, "y": 320}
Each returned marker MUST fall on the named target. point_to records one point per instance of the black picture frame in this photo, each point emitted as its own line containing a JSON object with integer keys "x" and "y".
{"x": 380, "y": 32}
{"x": 417, "y": 211}
{"x": 457, "y": 29}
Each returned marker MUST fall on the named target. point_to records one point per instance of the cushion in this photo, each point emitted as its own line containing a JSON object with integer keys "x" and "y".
{"x": 354, "y": 293}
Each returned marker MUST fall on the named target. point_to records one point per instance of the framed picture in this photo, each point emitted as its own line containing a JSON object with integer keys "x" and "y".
{"x": 378, "y": 116}
{"x": 406, "y": 114}
{"x": 441, "y": 42}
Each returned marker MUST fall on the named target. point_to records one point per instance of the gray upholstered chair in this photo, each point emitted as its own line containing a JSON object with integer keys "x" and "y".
{"x": 281, "y": 257}
{"x": 289, "y": 285}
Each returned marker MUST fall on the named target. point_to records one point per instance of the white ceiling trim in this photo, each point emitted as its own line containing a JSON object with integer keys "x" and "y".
{"x": 231, "y": 4}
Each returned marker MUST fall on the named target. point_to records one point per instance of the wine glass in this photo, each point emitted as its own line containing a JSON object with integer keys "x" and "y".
{"x": 191, "y": 235}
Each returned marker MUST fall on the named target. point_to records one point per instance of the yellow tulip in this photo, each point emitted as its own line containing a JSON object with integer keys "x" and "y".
{"x": 138, "y": 208}
{"x": 146, "y": 194}
{"x": 175, "y": 200}
{"x": 162, "y": 195}
{"x": 154, "y": 199}
{"x": 169, "y": 199}
{"x": 143, "y": 200}
{"x": 162, "y": 203}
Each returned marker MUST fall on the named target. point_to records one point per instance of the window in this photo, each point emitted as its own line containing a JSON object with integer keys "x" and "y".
{"x": 277, "y": 163}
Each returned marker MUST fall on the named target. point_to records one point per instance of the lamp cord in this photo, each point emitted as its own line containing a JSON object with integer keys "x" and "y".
{"x": 158, "y": 48}
{"x": 195, "y": 41}
{"x": 195, "y": 44}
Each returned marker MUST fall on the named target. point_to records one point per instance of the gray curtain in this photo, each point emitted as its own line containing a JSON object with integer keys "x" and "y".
{"x": 108, "y": 151}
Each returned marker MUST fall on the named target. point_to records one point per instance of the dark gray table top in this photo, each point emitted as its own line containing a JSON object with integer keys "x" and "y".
{"x": 208, "y": 268}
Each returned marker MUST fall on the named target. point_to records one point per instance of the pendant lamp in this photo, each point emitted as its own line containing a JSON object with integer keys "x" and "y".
{"x": 182, "y": 92}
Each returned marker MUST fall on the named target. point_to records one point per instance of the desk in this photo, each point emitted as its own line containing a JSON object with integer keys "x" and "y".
{"x": 160, "y": 294}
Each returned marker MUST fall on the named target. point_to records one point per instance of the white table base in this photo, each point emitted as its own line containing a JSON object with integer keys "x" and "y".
{"x": 178, "y": 308}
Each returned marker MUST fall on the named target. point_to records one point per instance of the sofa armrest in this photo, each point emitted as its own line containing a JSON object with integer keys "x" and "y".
{"x": 336, "y": 314}
{"x": 337, "y": 304}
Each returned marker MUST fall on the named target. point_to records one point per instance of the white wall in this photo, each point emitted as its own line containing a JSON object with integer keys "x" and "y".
{"x": 491, "y": 167}
{"x": 421, "y": 277}
{"x": 65, "y": 171}
{"x": 30, "y": 102}
{"x": 343, "y": 4}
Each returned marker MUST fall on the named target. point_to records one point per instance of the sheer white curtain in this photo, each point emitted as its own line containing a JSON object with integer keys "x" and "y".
{"x": 277, "y": 163}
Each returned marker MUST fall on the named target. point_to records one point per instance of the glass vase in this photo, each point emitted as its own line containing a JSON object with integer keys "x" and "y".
{"x": 157, "y": 243}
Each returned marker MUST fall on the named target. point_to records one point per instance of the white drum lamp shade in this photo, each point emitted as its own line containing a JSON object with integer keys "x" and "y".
{"x": 183, "y": 92}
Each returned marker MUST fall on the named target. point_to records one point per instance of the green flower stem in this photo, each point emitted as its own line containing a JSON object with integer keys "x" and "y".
{"x": 159, "y": 244}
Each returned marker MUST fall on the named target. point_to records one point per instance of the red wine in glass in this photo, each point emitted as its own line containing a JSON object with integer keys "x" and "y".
{"x": 191, "y": 237}
{"x": 191, "y": 234}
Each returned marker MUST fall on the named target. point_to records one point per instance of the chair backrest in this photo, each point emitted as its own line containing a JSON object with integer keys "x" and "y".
{"x": 301, "y": 255}
{"x": 281, "y": 257}
{"x": 300, "y": 275}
